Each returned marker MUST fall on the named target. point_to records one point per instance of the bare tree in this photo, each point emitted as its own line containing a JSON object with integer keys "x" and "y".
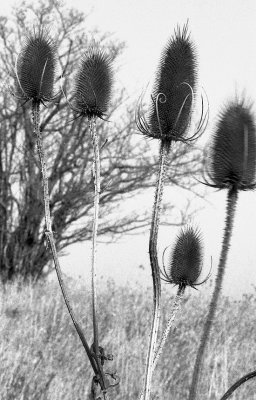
{"x": 128, "y": 166}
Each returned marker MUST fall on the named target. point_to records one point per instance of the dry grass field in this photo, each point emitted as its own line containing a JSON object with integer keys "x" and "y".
{"x": 43, "y": 359}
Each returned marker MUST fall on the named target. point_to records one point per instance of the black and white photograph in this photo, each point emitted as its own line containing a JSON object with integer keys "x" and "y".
{"x": 127, "y": 200}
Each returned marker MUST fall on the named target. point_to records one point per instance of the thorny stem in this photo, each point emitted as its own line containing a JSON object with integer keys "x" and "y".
{"x": 36, "y": 121}
{"x": 164, "y": 149}
{"x": 96, "y": 174}
{"x": 230, "y": 213}
{"x": 49, "y": 233}
{"x": 175, "y": 309}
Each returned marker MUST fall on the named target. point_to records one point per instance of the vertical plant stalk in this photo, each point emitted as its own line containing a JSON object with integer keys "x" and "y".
{"x": 230, "y": 213}
{"x": 48, "y": 231}
{"x": 164, "y": 149}
{"x": 96, "y": 174}
{"x": 175, "y": 309}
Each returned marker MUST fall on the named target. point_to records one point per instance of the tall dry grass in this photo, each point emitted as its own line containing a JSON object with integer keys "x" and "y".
{"x": 42, "y": 357}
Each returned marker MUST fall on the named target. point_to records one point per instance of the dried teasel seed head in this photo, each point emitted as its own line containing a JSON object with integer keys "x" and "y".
{"x": 233, "y": 153}
{"x": 93, "y": 84}
{"x": 36, "y": 65}
{"x": 186, "y": 259}
{"x": 174, "y": 88}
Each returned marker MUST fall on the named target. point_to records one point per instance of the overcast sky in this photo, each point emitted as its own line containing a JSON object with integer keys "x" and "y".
{"x": 224, "y": 33}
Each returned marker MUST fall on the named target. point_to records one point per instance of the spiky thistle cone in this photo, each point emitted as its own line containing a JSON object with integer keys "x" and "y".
{"x": 174, "y": 90}
{"x": 232, "y": 166}
{"x": 91, "y": 95}
{"x": 184, "y": 269}
{"x": 169, "y": 119}
{"x": 34, "y": 80}
{"x": 36, "y": 66}
{"x": 93, "y": 84}
{"x": 233, "y": 154}
{"x": 185, "y": 264}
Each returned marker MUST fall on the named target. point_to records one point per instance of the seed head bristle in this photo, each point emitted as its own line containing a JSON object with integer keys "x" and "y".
{"x": 185, "y": 262}
{"x": 174, "y": 90}
{"x": 36, "y": 65}
{"x": 93, "y": 84}
{"x": 233, "y": 153}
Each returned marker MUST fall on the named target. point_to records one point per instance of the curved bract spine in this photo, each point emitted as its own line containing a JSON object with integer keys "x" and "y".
{"x": 169, "y": 120}
{"x": 184, "y": 269}
{"x": 174, "y": 90}
{"x": 35, "y": 74}
{"x": 174, "y": 94}
{"x": 185, "y": 263}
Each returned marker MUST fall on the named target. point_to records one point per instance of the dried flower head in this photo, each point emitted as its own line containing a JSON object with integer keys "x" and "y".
{"x": 233, "y": 153}
{"x": 174, "y": 91}
{"x": 35, "y": 69}
{"x": 93, "y": 84}
{"x": 186, "y": 259}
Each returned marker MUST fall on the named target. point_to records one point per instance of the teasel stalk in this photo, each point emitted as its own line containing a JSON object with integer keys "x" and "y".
{"x": 184, "y": 269}
{"x": 232, "y": 167}
{"x": 168, "y": 120}
{"x": 92, "y": 93}
{"x": 35, "y": 73}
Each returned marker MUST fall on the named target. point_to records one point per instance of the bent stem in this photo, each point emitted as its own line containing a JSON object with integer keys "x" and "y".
{"x": 230, "y": 213}
{"x": 175, "y": 309}
{"x": 48, "y": 231}
{"x": 96, "y": 174}
{"x": 236, "y": 385}
{"x": 164, "y": 150}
